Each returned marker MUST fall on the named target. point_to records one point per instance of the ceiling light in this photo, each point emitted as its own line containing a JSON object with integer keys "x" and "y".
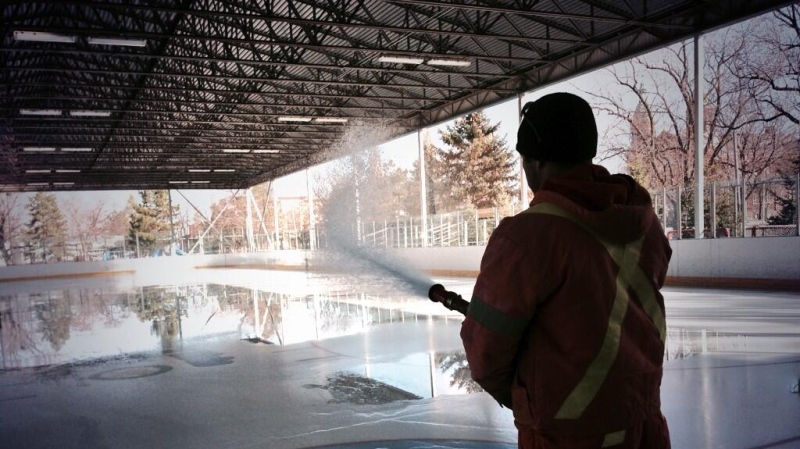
{"x": 330, "y": 120}
{"x": 37, "y": 171}
{"x": 38, "y": 36}
{"x": 200, "y": 182}
{"x": 63, "y": 183}
{"x": 179, "y": 182}
{"x": 266, "y": 151}
{"x": 68, "y": 171}
{"x": 224, "y": 170}
{"x": 450, "y": 62}
{"x": 77, "y": 150}
{"x": 90, "y": 113}
{"x": 38, "y": 183}
{"x": 119, "y": 42}
{"x": 199, "y": 170}
{"x": 294, "y": 119}
{"x": 235, "y": 150}
{"x": 401, "y": 59}
{"x": 38, "y": 149}
{"x": 40, "y": 111}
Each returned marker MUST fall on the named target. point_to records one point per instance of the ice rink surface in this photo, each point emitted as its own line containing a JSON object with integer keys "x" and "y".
{"x": 253, "y": 359}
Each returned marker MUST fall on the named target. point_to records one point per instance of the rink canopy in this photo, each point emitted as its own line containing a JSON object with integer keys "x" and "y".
{"x": 225, "y": 94}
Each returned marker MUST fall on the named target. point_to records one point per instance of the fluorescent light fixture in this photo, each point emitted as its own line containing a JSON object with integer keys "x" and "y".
{"x": 200, "y": 182}
{"x": 401, "y": 59}
{"x": 80, "y": 113}
{"x": 63, "y": 183}
{"x": 37, "y": 171}
{"x": 450, "y": 62}
{"x": 38, "y": 183}
{"x": 117, "y": 42}
{"x": 234, "y": 150}
{"x": 179, "y": 182}
{"x": 266, "y": 151}
{"x": 40, "y": 111}
{"x": 77, "y": 150}
{"x": 199, "y": 170}
{"x": 67, "y": 171}
{"x": 330, "y": 120}
{"x": 38, "y": 36}
{"x": 289, "y": 118}
{"x": 224, "y": 170}
{"x": 38, "y": 149}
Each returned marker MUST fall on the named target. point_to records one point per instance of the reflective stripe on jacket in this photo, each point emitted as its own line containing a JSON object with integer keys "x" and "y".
{"x": 566, "y": 322}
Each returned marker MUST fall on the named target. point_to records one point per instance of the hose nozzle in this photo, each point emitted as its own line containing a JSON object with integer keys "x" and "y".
{"x": 451, "y": 300}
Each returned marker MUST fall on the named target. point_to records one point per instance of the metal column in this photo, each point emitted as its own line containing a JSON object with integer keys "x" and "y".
{"x": 699, "y": 142}
{"x": 251, "y": 241}
{"x": 423, "y": 194}
{"x": 171, "y": 225}
{"x": 312, "y": 228}
{"x": 797, "y": 203}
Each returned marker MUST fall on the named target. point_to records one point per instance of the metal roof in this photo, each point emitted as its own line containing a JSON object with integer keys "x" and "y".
{"x": 197, "y": 93}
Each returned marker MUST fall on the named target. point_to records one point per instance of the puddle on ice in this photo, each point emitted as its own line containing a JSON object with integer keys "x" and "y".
{"x": 355, "y": 389}
{"x": 61, "y": 328}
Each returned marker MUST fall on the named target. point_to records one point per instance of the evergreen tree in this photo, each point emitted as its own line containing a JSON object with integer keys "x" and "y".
{"x": 478, "y": 164}
{"x": 150, "y": 221}
{"x": 47, "y": 227}
{"x": 788, "y": 204}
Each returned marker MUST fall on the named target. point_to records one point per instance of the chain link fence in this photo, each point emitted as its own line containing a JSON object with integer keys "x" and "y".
{"x": 765, "y": 208}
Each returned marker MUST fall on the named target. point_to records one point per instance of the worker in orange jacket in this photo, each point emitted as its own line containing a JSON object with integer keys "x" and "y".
{"x": 566, "y": 325}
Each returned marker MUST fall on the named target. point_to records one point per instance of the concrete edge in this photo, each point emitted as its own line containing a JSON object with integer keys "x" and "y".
{"x": 68, "y": 276}
{"x": 671, "y": 281}
{"x": 734, "y": 283}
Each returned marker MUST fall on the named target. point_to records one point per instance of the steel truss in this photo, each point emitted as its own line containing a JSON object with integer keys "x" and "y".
{"x": 215, "y": 75}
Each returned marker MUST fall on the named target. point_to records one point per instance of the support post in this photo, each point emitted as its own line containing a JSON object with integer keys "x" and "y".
{"x": 275, "y": 214}
{"x": 664, "y": 208}
{"x": 797, "y": 203}
{"x": 712, "y": 210}
{"x": 251, "y": 241}
{"x": 312, "y": 227}
{"x": 743, "y": 189}
{"x": 423, "y": 194}
{"x": 171, "y": 225}
{"x": 679, "y": 213}
{"x": 699, "y": 141}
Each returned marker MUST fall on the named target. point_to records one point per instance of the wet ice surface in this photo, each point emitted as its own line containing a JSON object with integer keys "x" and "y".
{"x": 246, "y": 358}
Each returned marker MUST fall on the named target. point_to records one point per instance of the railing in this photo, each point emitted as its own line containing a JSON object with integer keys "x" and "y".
{"x": 760, "y": 209}
{"x": 765, "y": 208}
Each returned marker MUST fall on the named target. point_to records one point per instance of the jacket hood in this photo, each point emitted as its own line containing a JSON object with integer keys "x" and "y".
{"x": 614, "y": 205}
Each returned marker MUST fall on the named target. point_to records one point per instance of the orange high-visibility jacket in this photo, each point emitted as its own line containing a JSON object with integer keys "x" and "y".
{"x": 566, "y": 324}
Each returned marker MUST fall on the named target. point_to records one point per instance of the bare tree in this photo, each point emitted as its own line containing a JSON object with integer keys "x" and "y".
{"x": 87, "y": 223}
{"x": 656, "y": 138}
{"x": 774, "y": 74}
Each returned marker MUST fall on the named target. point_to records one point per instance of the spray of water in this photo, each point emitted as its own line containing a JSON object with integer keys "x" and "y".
{"x": 372, "y": 269}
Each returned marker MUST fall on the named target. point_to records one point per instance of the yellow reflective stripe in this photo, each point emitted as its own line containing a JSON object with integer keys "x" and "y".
{"x": 629, "y": 276}
{"x": 637, "y": 280}
{"x": 614, "y": 439}
{"x": 647, "y": 297}
{"x": 586, "y": 390}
